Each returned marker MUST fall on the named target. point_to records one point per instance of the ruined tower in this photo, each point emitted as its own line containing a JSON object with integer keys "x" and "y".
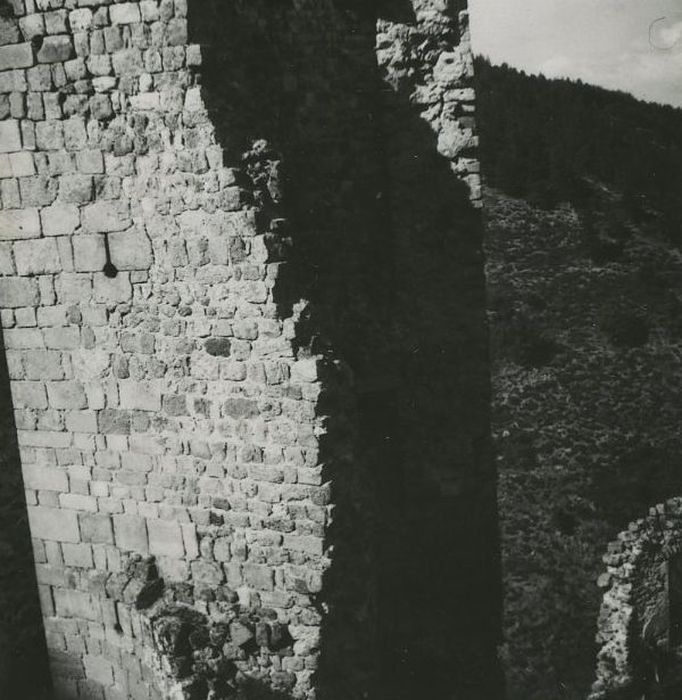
{"x": 243, "y": 315}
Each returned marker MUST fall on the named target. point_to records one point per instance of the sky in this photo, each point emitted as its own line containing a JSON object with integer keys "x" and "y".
{"x": 630, "y": 45}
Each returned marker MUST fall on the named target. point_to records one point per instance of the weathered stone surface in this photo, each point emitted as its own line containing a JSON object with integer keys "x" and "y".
{"x": 43, "y": 365}
{"x": 19, "y": 223}
{"x": 106, "y": 217}
{"x": 37, "y": 257}
{"x": 76, "y": 604}
{"x": 16, "y": 56}
{"x": 88, "y": 253}
{"x": 112, "y": 290}
{"x": 45, "y": 478}
{"x": 56, "y": 49}
{"x": 165, "y": 539}
{"x": 53, "y": 524}
{"x": 219, "y": 347}
{"x": 29, "y": 395}
{"x": 66, "y": 395}
{"x": 130, "y": 250}
{"x": 15, "y": 292}
{"x": 130, "y": 533}
{"x": 114, "y": 422}
{"x": 140, "y": 396}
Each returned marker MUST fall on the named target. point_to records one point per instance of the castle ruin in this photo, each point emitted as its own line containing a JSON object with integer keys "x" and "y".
{"x": 244, "y": 323}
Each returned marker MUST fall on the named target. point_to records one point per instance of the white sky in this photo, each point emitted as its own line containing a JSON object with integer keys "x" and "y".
{"x": 631, "y": 45}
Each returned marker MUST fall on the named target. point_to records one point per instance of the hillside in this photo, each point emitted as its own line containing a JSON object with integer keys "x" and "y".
{"x": 585, "y": 304}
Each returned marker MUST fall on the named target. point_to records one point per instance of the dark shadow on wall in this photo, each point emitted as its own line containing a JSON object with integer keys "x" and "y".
{"x": 389, "y": 251}
{"x": 23, "y": 656}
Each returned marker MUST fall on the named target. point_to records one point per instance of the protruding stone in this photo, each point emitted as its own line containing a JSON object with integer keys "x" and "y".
{"x": 56, "y": 49}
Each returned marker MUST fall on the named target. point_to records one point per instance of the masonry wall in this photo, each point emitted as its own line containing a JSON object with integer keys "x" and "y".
{"x": 205, "y": 208}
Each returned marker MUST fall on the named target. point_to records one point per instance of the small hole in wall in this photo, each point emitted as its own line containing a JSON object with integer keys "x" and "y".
{"x": 118, "y": 629}
{"x": 110, "y": 270}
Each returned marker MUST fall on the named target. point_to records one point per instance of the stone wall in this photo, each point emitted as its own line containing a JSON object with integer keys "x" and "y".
{"x": 185, "y": 427}
{"x": 635, "y": 624}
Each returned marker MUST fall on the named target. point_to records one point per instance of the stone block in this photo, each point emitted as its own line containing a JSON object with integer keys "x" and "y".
{"x": 219, "y": 347}
{"x": 32, "y": 25}
{"x": 78, "y": 555}
{"x": 147, "y": 444}
{"x": 305, "y": 370}
{"x": 128, "y": 62}
{"x": 207, "y": 572}
{"x": 90, "y": 161}
{"x": 189, "y": 536}
{"x": 50, "y": 135}
{"x": 90, "y": 363}
{"x": 89, "y": 254}
{"x": 260, "y": 576}
{"x": 96, "y": 529}
{"x": 76, "y": 189}
{"x": 9, "y": 31}
{"x": 28, "y": 338}
{"x": 106, "y": 217}
{"x": 114, "y": 290}
{"x": 28, "y": 395}
{"x": 41, "y": 478}
{"x": 221, "y": 549}
{"x": 22, "y": 164}
{"x": 56, "y": 22}
{"x": 73, "y": 288}
{"x": 80, "y": 20}
{"x": 77, "y": 501}
{"x": 16, "y": 56}
{"x": 53, "y": 524}
{"x": 16, "y": 224}
{"x": 66, "y": 395}
{"x": 67, "y": 338}
{"x": 140, "y": 395}
{"x": 81, "y": 422}
{"x": 98, "y": 668}
{"x": 125, "y": 13}
{"x": 39, "y": 257}
{"x": 130, "y": 250}
{"x": 44, "y": 438}
{"x": 307, "y": 544}
{"x": 76, "y": 604}
{"x": 43, "y": 365}
{"x": 175, "y": 405}
{"x": 130, "y": 533}
{"x": 165, "y": 538}
{"x": 14, "y": 80}
{"x": 114, "y": 422}
{"x": 16, "y": 292}
{"x": 240, "y": 408}
{"x": 26, "y": 317}
{"x": 46, "y": 602}
{"x": 56, "y": 49}
{"x": 60, "y": 219}
{"x": 52, "y": 316}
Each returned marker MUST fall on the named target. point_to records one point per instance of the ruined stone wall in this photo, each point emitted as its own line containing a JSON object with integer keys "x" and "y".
{"x": 634, "y": 626}
{"x": 204, "y": 207}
